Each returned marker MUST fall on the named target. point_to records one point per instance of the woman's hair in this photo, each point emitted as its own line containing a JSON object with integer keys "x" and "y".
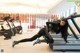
{"x": 63, "y": 19}
{"x": 66, "y": 22}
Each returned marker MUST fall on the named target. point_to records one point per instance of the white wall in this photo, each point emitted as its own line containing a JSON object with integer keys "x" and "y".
{"x": 62, "y": 7}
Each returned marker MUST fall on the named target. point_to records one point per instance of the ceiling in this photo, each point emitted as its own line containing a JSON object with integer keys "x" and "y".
{"x": 27, "y": 6}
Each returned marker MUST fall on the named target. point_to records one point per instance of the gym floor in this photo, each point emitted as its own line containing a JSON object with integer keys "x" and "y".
{"x": 26, "y": 47}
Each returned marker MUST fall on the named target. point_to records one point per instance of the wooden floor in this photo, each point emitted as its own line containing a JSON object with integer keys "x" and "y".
{"x": 26, "y": 47}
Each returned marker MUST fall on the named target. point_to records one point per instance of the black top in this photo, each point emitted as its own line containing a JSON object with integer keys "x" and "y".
{"x": 55, "y": 27}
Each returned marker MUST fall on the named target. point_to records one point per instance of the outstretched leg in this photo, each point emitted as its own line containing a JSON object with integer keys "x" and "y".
{"x": 27, "y": 39}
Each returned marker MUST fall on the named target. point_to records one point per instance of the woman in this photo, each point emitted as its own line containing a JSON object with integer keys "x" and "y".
{"x": 57, "y": 27}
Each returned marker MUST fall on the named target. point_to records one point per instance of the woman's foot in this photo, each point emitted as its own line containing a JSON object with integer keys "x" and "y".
{"x": 14, "y": 43}
{"x": 37, "y": 41}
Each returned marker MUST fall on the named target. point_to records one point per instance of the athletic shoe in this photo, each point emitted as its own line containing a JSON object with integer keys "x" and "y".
{"x": 37, "y": 41}
{"x": 14, "y": 43}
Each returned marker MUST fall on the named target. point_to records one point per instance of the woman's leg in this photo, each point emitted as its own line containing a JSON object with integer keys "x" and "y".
{"x": 48, "y": 37}
{"x": 30, "y": 39}
{"x": 27, "y": 39}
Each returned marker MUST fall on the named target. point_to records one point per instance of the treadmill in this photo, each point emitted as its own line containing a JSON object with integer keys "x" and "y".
{"x": 73, "y": 39}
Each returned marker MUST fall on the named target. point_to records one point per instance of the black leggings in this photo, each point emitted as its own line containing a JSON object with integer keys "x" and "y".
{"x": 42, "y": 32}
{"x": 48, "y": 40}
{"x": 30, "y": 39}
